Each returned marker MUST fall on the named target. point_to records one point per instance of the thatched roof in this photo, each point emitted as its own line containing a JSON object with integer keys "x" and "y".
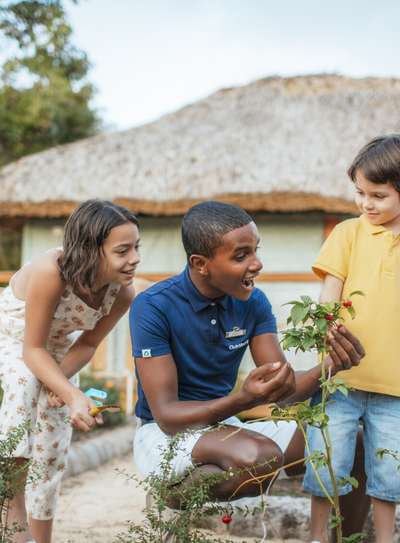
{"x": 279, "y": 144}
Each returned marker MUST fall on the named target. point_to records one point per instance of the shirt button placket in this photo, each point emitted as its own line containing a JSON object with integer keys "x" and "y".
{"x": 214, "y": 323}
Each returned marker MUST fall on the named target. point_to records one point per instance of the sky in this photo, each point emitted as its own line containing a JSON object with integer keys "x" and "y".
{"x": 151, "y": 57}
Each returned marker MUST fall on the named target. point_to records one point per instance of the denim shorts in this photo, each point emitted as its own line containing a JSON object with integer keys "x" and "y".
{"x": 380, "y": 416}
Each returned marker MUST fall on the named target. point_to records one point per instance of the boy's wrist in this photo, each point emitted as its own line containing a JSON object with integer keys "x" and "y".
{"x": 243, "y": 401}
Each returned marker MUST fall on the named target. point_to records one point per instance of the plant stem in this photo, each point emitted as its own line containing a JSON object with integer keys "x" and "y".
{"x": 328, "y": 448}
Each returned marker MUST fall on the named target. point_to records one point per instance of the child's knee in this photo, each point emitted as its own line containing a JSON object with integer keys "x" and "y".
{"x": 261, "y": 454}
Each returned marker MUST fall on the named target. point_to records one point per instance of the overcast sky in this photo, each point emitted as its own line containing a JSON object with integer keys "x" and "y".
{"x": 151, "y": 57}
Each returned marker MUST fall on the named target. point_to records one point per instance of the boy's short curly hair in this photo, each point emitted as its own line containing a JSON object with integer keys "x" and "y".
{"x": 205, "y": 224}
{"x": 379, "y": 161}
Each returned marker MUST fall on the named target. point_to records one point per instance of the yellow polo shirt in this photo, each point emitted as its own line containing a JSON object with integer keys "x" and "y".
{"x": 367, "y": 258}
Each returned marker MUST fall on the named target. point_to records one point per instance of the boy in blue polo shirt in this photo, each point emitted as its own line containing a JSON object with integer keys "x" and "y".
{"x": 189, "y": 334}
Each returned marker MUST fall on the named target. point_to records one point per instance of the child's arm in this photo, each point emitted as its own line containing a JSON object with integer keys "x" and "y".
{"x": 331, "y": 290}
{"x": 83, "y": 349}
{"x": 43, "y": 291}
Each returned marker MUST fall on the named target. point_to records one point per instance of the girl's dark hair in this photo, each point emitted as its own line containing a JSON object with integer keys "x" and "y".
{"x": 206, "y": 223}
{"x": 379, "y": 161}
{"x": 84, "y": 234}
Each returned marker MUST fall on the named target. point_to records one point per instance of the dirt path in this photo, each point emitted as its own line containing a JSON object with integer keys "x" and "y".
{"x": 94, "y": 507}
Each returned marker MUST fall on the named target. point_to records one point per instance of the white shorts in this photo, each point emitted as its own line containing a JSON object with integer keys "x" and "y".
{"x": 150, "y": 443}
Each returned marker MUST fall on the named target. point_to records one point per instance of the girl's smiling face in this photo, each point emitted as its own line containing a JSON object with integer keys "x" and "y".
{"x": 380, "y": 203}
{"x": 119, "y": 255}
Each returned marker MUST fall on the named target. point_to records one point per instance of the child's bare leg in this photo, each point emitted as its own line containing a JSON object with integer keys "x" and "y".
{"x": 320, "y": 510}
{"x": 384, "y": 517}
{"x": 41, "y": 530}
{"x": 354, "y": 517}
{"x": 16, "y": 511}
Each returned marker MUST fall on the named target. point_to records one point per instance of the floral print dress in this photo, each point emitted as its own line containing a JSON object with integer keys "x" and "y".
{"x": 47, "y": 440}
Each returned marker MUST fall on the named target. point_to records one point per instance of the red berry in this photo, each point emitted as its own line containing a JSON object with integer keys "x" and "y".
{"x": 347, "y": 303}
{"x": 329, "y": 317}
{"x": 227, "y": 519}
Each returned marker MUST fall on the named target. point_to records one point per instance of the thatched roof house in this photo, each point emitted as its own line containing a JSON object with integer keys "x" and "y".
{"x": 279, "y": 144}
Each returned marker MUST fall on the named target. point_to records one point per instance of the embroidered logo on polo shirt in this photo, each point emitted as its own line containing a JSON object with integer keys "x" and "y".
{"x": 238, "y": 345}
{"x": 235, "y": 332}
{"x": 146, "y": 353}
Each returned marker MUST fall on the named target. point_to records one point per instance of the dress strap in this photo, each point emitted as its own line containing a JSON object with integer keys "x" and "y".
{"x": 109, "y": 297}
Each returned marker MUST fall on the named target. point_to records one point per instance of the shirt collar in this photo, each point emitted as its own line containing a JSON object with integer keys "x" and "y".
{"x": 372, "y": 228}
{"x": 197, "y": 300}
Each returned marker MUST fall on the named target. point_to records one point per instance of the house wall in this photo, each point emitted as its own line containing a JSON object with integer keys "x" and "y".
{"x": 39, "y": 236}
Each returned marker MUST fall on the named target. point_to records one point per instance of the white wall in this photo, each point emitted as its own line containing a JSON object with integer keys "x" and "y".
{"x": 39, "y": 236}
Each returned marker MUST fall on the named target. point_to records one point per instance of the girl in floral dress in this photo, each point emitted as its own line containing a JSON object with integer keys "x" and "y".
{"x": 85, "y": 286}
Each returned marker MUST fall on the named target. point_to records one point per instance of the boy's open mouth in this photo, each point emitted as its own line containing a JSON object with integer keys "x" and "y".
{"x": 248, "y": 283}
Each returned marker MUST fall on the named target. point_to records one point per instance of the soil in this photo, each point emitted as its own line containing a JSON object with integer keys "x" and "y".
{"x": 97, "y": 505}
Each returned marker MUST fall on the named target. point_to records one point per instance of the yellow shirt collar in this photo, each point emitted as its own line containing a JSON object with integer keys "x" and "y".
{"x": 372, "y": 228}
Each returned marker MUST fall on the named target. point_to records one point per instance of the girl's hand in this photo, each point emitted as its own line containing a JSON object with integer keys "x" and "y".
{"x": 53, "y": 400}
{"x": 79, "y": 413}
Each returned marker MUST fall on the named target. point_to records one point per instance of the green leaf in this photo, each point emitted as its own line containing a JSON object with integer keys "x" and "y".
{"x": 306, "y": 299}
{"x": 289, "y": 342}
{"x": 354, "y": 538}
{"x": 335, "y": 521}
{"x": 298, "y": 313}
{"x": 348, "y": 480}
{"x": 322, "y": 325}
{"x": 308, "y": 342}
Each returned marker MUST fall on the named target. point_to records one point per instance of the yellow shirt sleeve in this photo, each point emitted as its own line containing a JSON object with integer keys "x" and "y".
{"x": 334, "y": 256}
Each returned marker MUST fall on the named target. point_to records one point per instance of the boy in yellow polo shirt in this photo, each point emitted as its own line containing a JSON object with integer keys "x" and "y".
{"x": 364, "y": 254}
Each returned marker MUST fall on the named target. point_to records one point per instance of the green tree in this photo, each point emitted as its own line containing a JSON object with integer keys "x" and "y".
{"x": 44, "y": 92}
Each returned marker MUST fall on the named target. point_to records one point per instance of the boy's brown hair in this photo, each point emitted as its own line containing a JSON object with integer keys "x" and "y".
{"x": 379, "y": 161}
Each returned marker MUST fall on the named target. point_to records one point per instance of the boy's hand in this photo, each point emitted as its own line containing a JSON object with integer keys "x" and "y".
{"x": 269, "y": 383}
{"x": 345, "y": 350}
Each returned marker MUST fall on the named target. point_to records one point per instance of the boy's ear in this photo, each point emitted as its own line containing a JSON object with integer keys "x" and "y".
{"x": 199, "y": 263}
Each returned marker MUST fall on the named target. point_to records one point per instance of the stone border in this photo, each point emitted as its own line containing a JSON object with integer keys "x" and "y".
{"x": 95, "y": 451}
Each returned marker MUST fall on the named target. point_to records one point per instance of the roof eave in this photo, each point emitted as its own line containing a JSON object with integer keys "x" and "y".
{"x": 253, "y": 202}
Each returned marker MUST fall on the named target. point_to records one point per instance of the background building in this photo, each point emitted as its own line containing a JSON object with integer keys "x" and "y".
{"x": 279, "y": 147}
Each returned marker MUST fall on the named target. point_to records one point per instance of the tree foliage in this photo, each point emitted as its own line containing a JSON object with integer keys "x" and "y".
{"x": 44, "y": 93}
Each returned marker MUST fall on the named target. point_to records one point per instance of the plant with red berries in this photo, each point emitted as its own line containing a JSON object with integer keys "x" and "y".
{"x": 226, "y": 519}
{"x": 311, "y": 323}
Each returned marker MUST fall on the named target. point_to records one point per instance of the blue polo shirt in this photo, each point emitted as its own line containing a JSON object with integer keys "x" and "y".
{"x": 206, "y": 337}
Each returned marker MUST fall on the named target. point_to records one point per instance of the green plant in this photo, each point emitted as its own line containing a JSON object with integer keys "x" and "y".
{"x": 13, "y": 477}
{"x": 311, "y": 323}
{"x": 380, "y": 453}
{"x": 163, "y": 524}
